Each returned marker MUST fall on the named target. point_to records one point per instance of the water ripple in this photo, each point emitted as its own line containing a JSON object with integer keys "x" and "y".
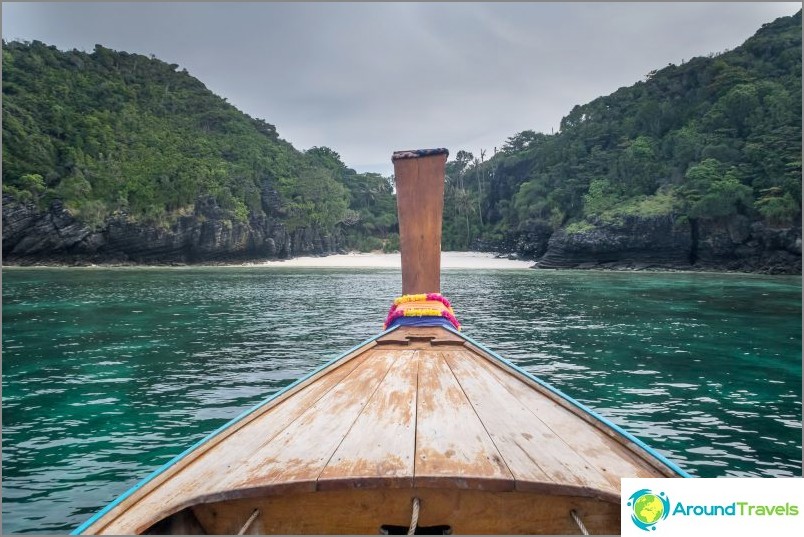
{"x": 105, "y": 378}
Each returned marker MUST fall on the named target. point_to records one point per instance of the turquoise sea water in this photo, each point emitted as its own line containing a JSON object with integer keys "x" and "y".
{"x": 109, "y": 373}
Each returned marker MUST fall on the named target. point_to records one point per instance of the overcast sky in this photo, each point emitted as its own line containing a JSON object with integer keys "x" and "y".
{"x": 367, "y": 79}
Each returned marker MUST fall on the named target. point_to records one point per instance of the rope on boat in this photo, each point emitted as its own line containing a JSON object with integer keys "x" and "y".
{"x": 425, "y": 309}
{"x": 249, "y": 522}
{"x": 579, "y": 522}
{"x": 414, "y": 518}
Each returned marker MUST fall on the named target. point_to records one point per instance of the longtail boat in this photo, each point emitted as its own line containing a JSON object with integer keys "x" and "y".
{"x": 420, "y": 429}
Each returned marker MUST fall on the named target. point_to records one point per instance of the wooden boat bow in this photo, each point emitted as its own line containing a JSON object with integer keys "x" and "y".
{"x": 418, "y": 426}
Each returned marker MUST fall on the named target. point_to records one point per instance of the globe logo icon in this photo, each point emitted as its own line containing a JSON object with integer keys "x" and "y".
{"x": 648, "y": 508}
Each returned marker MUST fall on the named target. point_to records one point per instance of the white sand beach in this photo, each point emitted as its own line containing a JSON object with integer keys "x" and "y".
{"x": 449, "y": 260}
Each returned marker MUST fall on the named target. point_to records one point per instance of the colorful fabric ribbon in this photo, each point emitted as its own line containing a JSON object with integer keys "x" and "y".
{"x": 423, "y": 306}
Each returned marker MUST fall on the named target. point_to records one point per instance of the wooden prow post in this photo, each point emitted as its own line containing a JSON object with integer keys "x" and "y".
{"x": 420, "y": 204}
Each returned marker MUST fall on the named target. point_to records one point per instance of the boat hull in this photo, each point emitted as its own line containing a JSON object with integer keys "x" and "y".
{"x": 421, "y": 413}
{"x": 389, "y": 510}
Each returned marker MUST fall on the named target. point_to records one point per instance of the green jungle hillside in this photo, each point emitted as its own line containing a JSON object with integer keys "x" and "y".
{"x": 128, "y": 148}
{"x": 714, "y": 137}
{"x": 113, "y": 134}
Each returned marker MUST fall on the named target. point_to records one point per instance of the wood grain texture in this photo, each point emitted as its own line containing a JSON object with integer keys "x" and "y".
{"x": 423, "y": 411}
{"x": 378, "y": 448}
{"x": 429, "y": 335}
{"x": 614, "y": 456}
{"x": 200, "y": 474}
{"x": 362, "y": 512}
{"x": 420, "y": 204}
{"x": 543, "y": 402}
{"x": 530, "y": 447}
{"x": 299, "y": 454}
{"x": 451, "y": 442}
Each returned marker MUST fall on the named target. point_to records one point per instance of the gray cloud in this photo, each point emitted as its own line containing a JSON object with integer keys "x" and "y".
{"x": 369, "y": 78}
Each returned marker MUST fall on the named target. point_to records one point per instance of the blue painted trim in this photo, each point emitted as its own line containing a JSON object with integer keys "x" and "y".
{"x": 421, "y": 321}
{"x": 578, "y": 405}
{"x": 216, "y": 432}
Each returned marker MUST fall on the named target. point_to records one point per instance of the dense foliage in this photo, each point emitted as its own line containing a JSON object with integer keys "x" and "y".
{"x": 711, "y": 138}
{"x": 116, "y": 133}
{"x": 370, "y": 221}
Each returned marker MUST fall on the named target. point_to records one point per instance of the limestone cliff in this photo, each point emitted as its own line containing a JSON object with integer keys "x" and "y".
{"x": 735, "y": 244}
{"x": 31, "y": 235}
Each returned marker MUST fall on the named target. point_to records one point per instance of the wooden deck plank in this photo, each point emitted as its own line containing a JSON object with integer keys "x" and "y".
{"x": 598, "y": 448}
{"x": 435, "y": 335}
{"x": 529, "y": 447}
{"x": 411, "y": 415}
{"x": 382, "y": 441}
{"x": 451, "y": 442}
{"x": 299, "y": 454}
{"x": 202, "y": 475}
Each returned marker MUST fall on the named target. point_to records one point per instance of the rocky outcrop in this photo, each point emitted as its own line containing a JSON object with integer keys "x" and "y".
{"x": 208, "y": 235}
{"x": 31, "y": 235}
{"x": 635, "y": 242}
{"x": 741, "y": 245}
{"x": 529, "y": 242}
{"x": 735, "y": 244}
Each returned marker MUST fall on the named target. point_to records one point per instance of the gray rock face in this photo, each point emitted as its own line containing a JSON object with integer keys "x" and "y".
{"x": 27, "y": 231}
{"x": 532, "y": 242}
{"x": 736, "y": 244}
{"x": 528, "y": 243}
{"x": 32, "y": 236}
{"x": 741, "y": 245}
{"x": 636, "y": 242}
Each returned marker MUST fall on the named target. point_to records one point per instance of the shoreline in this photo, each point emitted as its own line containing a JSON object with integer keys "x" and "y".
{"x": 376, "y": 260}
{"x": 388, "y": 261}
{"x": 449, "y": 260}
